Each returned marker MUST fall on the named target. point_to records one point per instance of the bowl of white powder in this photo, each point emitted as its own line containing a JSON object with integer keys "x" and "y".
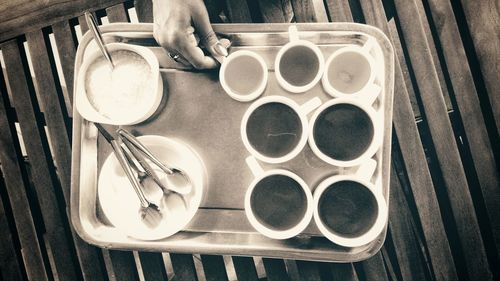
{"x": 127, "y": 94}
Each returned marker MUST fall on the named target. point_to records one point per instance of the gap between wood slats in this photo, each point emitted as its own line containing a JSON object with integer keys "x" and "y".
{"x": 450, "y": 164}
{"x": 11, "y": 263}
{"x": 16, "y": 178}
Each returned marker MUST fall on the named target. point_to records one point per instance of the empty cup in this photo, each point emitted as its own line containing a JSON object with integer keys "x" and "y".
{"x": 274, "y": 128}
{"x": 348, "y": 209}
{"x": 243, "y": 75}
{"x": 299, "y": 64}
{"x": 345, "y": 132}
{"x": 350, "y": 71}
{"x": 278, "y": 203}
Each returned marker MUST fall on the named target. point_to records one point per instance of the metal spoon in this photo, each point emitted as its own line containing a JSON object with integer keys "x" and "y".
{"x": 177, "y": 180}
{"x": 93, "y": 27}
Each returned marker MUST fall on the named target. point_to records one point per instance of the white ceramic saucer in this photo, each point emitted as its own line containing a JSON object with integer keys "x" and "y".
{"x": 120, "y": 204}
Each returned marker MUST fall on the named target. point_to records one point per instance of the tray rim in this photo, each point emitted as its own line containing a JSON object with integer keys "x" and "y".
{"x": 248, "y": 28}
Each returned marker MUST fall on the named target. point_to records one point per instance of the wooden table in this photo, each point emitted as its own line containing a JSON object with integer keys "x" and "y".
{"x": 445, "y": 185}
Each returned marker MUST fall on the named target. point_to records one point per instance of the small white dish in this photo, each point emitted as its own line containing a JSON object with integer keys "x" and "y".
{"x": 113, "y": 113}
{"x": 120, "y": 203}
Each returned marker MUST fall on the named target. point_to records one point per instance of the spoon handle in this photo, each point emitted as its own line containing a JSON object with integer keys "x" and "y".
{"x": 92, "y": 23}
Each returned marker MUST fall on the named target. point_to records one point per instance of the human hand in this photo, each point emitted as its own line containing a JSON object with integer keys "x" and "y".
{"x": 175, "y": 24}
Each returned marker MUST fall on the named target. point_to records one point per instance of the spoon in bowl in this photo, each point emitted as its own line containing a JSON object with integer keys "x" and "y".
{"x": 96, "y": 34}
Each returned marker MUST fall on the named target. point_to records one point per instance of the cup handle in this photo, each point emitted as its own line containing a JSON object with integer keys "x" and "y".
{"x": 366, "y": 170}
{"x": 310, "y": 105}
{"x": 369, "y": 95}
{"x": 254, "y": 166}
{"x": 293, "y": 33}
{"x": 368, "y": 45}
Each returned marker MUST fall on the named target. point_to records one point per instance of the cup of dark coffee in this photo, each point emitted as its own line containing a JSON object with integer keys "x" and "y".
{"x": 278, "y": 203}
{"x": 351, "y": 71}
{"x": 345, "y": 132}
{"x": 299, "y": 64}
{"x": 348, "y": 209}
{"x": 243, "y": 75}
{"x": 274, "y": 129}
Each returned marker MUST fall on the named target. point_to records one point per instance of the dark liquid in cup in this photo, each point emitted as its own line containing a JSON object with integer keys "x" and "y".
{"x": 274, "y": 129}
{"x": 278, "y": 202}
{"x": 348, "y": 208}
{"x": 349, "y": 72}
{"x": 244, "y": 75}
{"x": 343, "y": 131}
{"x": 299, "y": 65}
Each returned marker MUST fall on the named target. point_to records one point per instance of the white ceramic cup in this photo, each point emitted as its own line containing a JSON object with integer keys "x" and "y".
{"x": 375, "y": 122}
{"x": 350, "y": 71}
{"x": 293, "y": 69}
{"x": 301, "y": 112}
{"x": 361, "y": 179}
{"x": 253, "y": 216}
{"x": 238, "y": 63}
{"x": 149, "y": 103}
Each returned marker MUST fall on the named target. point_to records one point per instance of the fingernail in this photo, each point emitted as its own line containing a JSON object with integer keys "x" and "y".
{"x": 220, "y": 49}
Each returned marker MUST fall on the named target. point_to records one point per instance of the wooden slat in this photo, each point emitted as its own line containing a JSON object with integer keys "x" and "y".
{"x": 117, "y": 13}
{"x": 432, "y": 50}
{"x": 245, "y": 268}
{"x": 144, "y": 9}
{"x": 343, "y": 272}
{"x": 238, "y": 11}
{"x": 309, "y": 11}
{"x": 214, "y": 268}
{"x": 55, "y": 224}
{"x": 401, "y": 230}
{"x": 309, "y": 271}
{"x": 444, "y": 143}
{"x": 153, "y": 266}
{"x": 10, "y": 269}
{"x": 470, "y": 111}
{"x": 339, "y": 10}
{"x": 413, "y": 153}
{"x": 419, "y": 175}
{"x": 11, "y": 160}
{"x": 483, "y": 22}
{"x": 61, "y": 146}
{"x": 276, "y": 10}
{"x": 374, "y": 268}
{"x": 66, "y": 49}
{"x": 183, "y": 265}
{"x": 391, "y": 269}
{"x": 124, "y": 267}
{"x": 83, "y": 24}
{"x": 19, "y": 18}
{"x": 275, "y": 269}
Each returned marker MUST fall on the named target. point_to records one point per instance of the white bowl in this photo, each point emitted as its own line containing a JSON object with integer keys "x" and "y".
{"x": 120, "y": 203}
{"x": 121, "y": 116}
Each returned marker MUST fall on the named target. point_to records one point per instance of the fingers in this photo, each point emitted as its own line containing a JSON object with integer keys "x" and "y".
{"x": 208, "y": 37}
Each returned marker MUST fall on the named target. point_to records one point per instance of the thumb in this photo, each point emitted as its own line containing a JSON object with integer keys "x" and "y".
{"x": 207, "y": 35}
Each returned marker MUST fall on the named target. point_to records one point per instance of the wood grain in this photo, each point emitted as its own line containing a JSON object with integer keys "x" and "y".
{"x": 339, "y": 10}
{"x": 61, "y": 147}
{"x": 53, "y": 214}
{"x": 483, "y": 22}
{"x": 124, "y": 268}
{"x": 443, "y": 141}
{"x": 11, "y": 160}
{"x": 238, "y": 11}
{"x": 183, "y": 267}
{"x": 18, "y": 19}
{"x": 245, "y": 268}
{"x": 470, "y": 111}
{"x": 67, "y": 51}
{"x": 10, "y": 269}
{"x": 309, "y": 11}
{"x": 276, "y": 10}
{"x": 374, "y": 268}
{"x": 144, "y": 9}
{"x": 117, "y": 13}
